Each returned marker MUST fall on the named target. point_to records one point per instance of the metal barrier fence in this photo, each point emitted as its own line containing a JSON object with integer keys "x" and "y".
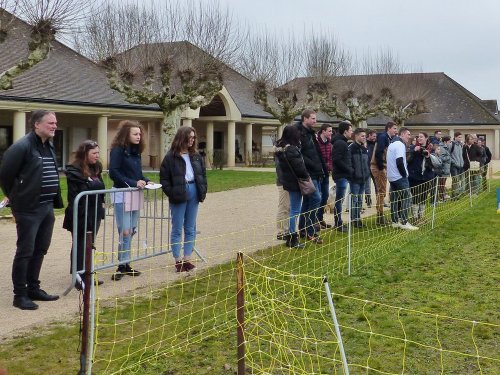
{"x": 149, "y": 238}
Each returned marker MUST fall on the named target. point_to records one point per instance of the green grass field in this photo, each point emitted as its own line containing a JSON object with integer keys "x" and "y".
{"x": 452, "y": 270}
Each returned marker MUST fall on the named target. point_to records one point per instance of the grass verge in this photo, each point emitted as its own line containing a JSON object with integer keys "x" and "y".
{"x": 452, "y": 270}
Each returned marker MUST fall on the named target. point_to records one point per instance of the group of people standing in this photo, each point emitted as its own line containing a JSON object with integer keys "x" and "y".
{"x": 355, "y": 158}
{"x": 29, "y": 179}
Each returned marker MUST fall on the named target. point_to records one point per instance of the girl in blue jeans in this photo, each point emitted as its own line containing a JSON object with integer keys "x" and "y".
{"x": 125, "y": 169}
{"x": 184, "y": 181}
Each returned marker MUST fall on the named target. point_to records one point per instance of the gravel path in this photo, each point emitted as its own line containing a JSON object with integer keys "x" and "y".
{"x": 230, "y": 221}
{"x": 223, "y": 212}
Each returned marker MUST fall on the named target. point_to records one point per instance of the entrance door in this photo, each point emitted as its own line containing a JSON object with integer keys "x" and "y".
{"x": 5, "y": 139}
{"x": 58, "y": 145}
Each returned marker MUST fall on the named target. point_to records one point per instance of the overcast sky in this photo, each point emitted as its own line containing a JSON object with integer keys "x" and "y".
{"x": 458, "y": 37}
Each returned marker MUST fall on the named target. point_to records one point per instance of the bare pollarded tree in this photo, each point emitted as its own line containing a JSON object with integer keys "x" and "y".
{"x": 278, "y": 65}
{"x": 271, "y": 62}
{"x": 46, "y": 18}
{"x": 168, "y": 53}
{"x": 378, "y": 85}
{"x": 405, "y": 96}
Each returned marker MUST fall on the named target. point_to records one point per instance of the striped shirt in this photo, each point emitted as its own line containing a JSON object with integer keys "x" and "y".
{"x": 50, "y": 178}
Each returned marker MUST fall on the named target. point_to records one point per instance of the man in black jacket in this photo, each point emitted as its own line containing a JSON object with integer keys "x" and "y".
{"x": 342, "y": 169}
{"x": 378, "y": 167}
{"x": 316, "y": 168}
{"x": 30, "y": 181}
{"x": 360, "y": 174}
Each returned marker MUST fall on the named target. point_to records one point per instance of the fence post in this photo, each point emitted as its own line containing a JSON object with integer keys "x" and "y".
{"x": 85, "y": 356}
{"x": 336, "y": 324}
{"x": 470, "y": 187}
{"x": 240, "y": 313}
{"x": 434, "y": 204}
{"x": 349, "y": 234}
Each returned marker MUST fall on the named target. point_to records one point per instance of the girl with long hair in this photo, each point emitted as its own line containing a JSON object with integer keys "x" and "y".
{"x": 125, "y": 169}
{"x": 292, "y": 167}
{"x": 421, "y": 174}
{"x": 184, "y": 182}
{"x": 84, "y": 174}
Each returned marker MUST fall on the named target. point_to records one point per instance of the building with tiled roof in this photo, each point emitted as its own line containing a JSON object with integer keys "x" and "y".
{"x": 233, "y": 124}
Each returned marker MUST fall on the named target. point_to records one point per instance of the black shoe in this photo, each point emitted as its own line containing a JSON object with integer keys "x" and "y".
{"x": 357, "y": 224}
{"x": 315, "y": 239}
{"x": 293, "y": 241}
{"x": 179, "y": 266}
{"x": 24, "y": 303}
{"x": 381, "y": 220}
{"x": 302, "y": 234}
{"x": 41, "y": 295}
{"x": 324, "y": 225}
{"x": 281, "y": 236}
{"x": 188, "y": 266}
{"x": 118, "y": 275}
{"x": 342, "y": 228}
{"x": 130, "y": 271}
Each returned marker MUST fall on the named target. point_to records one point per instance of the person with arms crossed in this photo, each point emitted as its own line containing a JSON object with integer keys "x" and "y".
{"x": 397, "y": 174}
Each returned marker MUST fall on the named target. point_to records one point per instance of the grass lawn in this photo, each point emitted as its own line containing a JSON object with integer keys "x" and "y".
{"x": 453, "y": 270}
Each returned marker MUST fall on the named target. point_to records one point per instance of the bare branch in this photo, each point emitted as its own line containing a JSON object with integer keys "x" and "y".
{"x": 46, "y": 18}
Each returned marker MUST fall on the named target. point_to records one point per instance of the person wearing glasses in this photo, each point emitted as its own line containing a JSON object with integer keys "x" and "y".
{"x": 184, "y": 181}
{"x": 84, "y": 174}
{"x": 125, "y": 169}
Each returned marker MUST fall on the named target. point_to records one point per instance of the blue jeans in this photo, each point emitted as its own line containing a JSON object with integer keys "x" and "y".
{"x": 184, "y": 216}
{"x": 399, "y": 194}
{"x": 295, "y": 205}
{"x": 357, "y": 191}
{"x": 126, "y": 222}
{"x": 341, "y": 187}
{"x": 457, "y": 181}
{"x": 325, "y": 191}
{"x": 309, "y": 210}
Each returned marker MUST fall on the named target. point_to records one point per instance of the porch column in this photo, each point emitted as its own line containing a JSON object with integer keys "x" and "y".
{"x": 210, "y": 141}
{"x": 19, "y": 129}
{"x": 452, "y": 133}
{"x": 497, "y": 144}
{"x": 187, "y": 122}
{"x": 231, "y": 137}
{"x": 248, "y": 144}
{"x": 102, "y": 139}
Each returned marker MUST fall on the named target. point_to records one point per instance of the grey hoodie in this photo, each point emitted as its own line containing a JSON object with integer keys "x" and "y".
{"x": 456, "y": 153}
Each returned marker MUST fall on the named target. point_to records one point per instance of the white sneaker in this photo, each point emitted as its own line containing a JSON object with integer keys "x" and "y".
{"x": 396, "y": 225}
{"x": 408, "y": 226}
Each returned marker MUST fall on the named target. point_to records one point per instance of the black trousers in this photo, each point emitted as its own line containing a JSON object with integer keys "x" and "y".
{"x": 81, "y": 245}
{"x": 34, "y": 233}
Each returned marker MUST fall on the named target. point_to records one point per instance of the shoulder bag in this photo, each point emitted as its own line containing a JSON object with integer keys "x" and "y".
{"x": 306, "y": 185}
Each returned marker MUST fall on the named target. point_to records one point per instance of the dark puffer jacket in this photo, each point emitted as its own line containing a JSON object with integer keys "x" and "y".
{"x": 311, "y": 153}
{"x": 359, "y": 159}
{"x": 173, "y": 177}
{"x": 419, "y": 167}
{"x": 76, "y": 184}
{"x": 342, "y": 166}
{"x": 292, "y": 167}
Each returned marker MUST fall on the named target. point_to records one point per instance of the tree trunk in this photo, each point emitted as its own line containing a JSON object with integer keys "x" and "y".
{"x": 170, "y": 123}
